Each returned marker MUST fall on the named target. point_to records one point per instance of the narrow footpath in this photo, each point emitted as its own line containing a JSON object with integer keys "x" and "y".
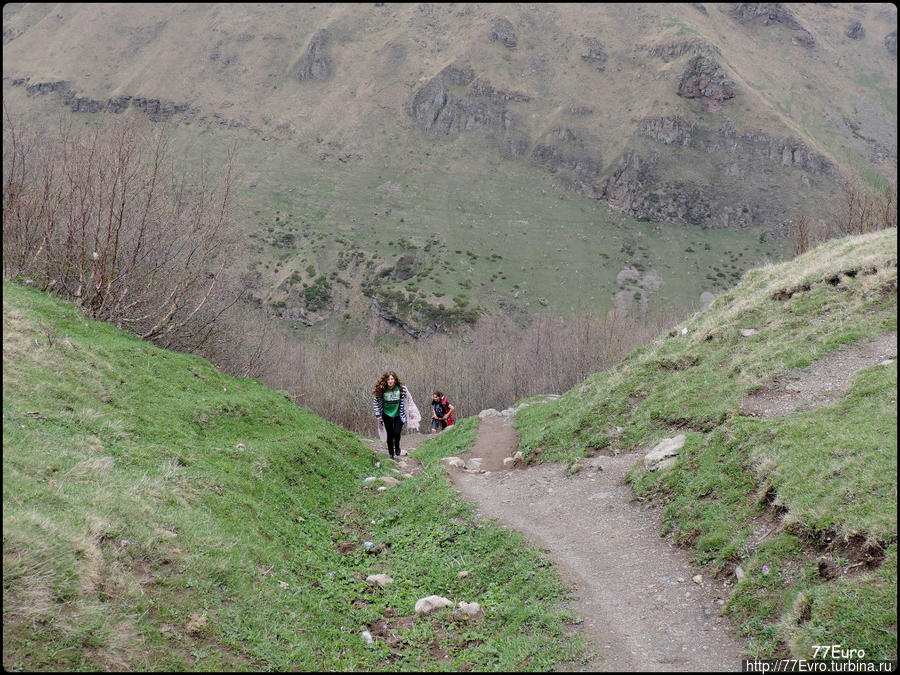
{"x": 635, "y": 591}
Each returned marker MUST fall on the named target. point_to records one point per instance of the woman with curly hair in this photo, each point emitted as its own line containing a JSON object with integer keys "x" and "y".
{"x": 388, "y": 403}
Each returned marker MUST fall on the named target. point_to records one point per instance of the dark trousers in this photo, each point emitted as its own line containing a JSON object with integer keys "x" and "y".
{"x": 393, "y": 426}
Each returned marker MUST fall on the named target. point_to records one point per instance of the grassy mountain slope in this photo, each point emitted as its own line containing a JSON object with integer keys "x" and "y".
{"x": 804, "y": 503}
{"x": 341, "y": 178}
{"x": 159, "y": 515}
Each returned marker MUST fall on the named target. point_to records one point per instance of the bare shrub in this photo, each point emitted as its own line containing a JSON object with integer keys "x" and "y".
{"x": 103, "y": 217}
{"x": 857, "y": 210}
{"x": 492, "y": 366}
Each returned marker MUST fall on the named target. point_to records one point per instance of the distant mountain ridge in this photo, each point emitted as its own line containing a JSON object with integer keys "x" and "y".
{"x": 722, "y": 116}
{"x": 690, "y": 59}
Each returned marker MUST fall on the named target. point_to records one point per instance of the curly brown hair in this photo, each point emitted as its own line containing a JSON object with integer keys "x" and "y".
{"x": 381, "y": 385}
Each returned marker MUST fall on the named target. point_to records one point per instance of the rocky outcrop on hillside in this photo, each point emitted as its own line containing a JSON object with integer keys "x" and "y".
{"x": 766, "y": 14}
{"x": 635, "y": 187}
{"x": 669, "y": 51}
{"x": 726, "y": 141}
{"x": 316, "y": 63}
{"x": 441, "y": 114}
{"x": 749, "y": 176}
{"x": 502, "y": 31}
{"x": 436, "y": 111}
{"x": 704, "y": 79}
{"x": 564, "y": 153}
{"x": 158, "y": 110}
{"x": 383, "y": 320}
{"x": 856, "y": 31}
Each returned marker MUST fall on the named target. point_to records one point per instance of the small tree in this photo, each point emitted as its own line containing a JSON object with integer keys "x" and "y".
{"x": 103, "y": 217}
{"x": 857, "y": 210}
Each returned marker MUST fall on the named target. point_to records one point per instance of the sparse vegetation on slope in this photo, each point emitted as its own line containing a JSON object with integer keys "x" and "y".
{"x": 159, "y": 515}
{"x": 804, "y": 502}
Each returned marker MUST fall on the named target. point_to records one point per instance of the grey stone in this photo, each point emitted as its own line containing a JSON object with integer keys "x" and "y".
{"x": 431, "y": 604}
{"x": 664, "y": 453}
{"x": 468, "y": 610}
{"x": 379, "y": 580}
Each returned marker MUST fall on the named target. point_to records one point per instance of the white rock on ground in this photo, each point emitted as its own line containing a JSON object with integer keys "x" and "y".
{"x": 432, "y": 604}
{"x": 389, "y": 480}
{"x": 379, "y": 579}
{"x": 469, "y": 610}
{"x": 367, "y": 636}
{"x": 664, "y": 454}
{"x": 453, "y": 461}
{"x": 490, "y": 412}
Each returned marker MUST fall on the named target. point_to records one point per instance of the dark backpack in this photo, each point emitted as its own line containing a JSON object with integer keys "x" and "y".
{"x": 446, "y": 405}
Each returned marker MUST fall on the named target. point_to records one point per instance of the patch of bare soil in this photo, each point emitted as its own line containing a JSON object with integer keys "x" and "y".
{"x": 821, "y": 383}
{"x": 640, "y": 608}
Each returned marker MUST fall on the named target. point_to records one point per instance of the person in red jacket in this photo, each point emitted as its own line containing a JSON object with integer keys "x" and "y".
{"x": 441, "y": 412}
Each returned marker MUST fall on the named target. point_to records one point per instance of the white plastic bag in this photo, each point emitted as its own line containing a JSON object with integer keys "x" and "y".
{"x": 413, "y": 416}
{"x": 382, "y": 432}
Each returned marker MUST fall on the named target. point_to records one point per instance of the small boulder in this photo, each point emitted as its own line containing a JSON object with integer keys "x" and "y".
{"x": 432, "y": 604}
{"x": 468, "y": 610}
{"x": 379, "y": 580}
{"x": 663, "y": 455}
{"x": 389, "y": 480}
{"x": 455, "y": 462}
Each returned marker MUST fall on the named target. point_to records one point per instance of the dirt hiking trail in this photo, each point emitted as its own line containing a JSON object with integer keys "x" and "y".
{"x": 634, "y": 590}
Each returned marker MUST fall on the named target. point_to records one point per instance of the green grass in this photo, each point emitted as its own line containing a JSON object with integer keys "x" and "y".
{"x": 830, "y": 472}
{"x": 519, "y": 238}
{"x": 159, "y": 515}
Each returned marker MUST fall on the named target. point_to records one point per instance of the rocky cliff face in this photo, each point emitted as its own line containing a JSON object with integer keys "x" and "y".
{"x": 440, "y": 114}
{"x": 315, "y": 63}
{"x": 576, "y": 165}
{"x": 767, "y": 14}
{"x": 643, "y": 181}
{"x": 704, "y": 79}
